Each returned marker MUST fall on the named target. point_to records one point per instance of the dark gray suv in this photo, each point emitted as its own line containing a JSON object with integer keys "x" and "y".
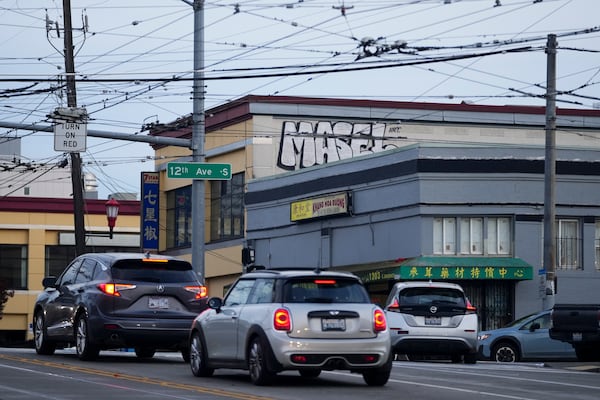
{"x": 119, "y": 300}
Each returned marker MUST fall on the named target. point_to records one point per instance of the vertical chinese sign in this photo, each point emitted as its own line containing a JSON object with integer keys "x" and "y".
{"x": 149, "y": 214}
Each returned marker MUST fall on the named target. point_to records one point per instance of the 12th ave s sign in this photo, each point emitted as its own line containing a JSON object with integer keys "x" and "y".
{"x": 193, "y": 170}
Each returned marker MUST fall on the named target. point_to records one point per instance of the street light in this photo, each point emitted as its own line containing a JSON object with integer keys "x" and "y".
{"x": 112, "y": 210}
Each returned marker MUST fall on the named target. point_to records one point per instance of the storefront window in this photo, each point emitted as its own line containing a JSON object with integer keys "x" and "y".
{"x": 13, "y": 267}
{"x": 469, "y": 233}
{"x": 179, "y": 217}
{"x": 58, "y": 257}
{"x": 567, "y": 244}
{"x": 227, "y": 208}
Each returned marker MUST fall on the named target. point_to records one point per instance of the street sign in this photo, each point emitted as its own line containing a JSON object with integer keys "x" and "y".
{"x": 195, "y": 170}
{"x": 70, "y": 137}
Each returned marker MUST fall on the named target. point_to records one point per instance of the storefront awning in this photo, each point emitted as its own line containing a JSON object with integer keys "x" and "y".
{"x": 447, "y": 268}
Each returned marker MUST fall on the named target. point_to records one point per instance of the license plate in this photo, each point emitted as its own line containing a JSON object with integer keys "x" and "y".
{"x": 158, "y": 302}
{"x": 333, "y": 324}
{"x": 433, "y": 320}
{"x": 577, "y": 336}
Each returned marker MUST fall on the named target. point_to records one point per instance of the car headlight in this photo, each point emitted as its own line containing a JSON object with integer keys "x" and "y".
{"x": 483, "y": 336}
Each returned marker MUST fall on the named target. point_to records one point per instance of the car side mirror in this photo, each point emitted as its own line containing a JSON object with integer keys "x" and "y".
{"x": 215, "y": 303}
{"x": 534, "y": 327}
{"x": 49, "y": 282}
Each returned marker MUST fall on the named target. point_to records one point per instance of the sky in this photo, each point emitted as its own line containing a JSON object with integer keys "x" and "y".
{"x": 134, "y": 62}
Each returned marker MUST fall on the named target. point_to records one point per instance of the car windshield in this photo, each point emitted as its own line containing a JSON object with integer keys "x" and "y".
{"x": 325, "y": 290}
{"x": 172, "y": 271}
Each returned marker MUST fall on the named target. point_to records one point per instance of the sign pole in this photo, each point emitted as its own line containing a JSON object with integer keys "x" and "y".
{"x": 76, "y": 180}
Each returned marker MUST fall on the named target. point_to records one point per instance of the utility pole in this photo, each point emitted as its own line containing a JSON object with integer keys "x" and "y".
{"x": 198, "y": 132}
{"x": 550, "y": 175}
{"x": 75, "y": 157}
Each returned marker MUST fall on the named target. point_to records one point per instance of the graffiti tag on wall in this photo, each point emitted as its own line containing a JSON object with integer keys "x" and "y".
{"x": 305, "y": 143}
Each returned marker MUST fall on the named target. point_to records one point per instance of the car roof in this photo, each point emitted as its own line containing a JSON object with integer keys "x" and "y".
{"x": 112, "y": 257}
{"x": 420, "y": 284}
{"x": 296, "y": 273}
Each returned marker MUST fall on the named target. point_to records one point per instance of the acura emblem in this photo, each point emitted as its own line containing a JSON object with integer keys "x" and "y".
{"x": 433, "y": 309}
{"x": 160, "y": 288}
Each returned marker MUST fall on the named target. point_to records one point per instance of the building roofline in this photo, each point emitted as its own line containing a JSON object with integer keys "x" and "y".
{"x": 61, "y": 205}
{"x": 240, "y": 110}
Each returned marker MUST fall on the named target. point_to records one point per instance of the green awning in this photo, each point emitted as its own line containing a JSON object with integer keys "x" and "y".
{"x": 448, "y": 268}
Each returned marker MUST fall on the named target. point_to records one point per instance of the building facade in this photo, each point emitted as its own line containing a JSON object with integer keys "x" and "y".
{"x": 472, "y": 215}
{"x": 37, "y": 239}
{"x": 288, "y": 137}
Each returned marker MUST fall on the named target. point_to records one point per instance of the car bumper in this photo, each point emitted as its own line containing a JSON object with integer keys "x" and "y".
{"x": 331, "y": 354}
{"x": 407, "y": 344}
{"x": 165, "y": 334}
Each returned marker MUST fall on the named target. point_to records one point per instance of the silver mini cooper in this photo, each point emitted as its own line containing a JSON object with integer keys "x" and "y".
{"x": 276, "y": 320}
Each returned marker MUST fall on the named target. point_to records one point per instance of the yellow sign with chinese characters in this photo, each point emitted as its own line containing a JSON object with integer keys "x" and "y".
{"x": 317, "y": 207}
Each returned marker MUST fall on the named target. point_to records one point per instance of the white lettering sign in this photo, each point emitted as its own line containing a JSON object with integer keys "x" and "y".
{"x": 70, "y": 137}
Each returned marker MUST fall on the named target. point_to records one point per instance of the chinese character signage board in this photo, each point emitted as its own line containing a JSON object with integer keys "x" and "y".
{"x": 149, "y": 212}
{"x": 317, "y": 207}
{"x": 441, "y": 273}
{"x": 470, "y": 272}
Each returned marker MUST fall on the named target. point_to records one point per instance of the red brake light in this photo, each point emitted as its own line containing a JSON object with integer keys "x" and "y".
{"x": 200, "y": 291}
{"x": 471, "y": 309}
{"x": 379, "y": 321}
{"x": 325, "y": 281}
{"x": 395, "y": 305}
{"x": 282, "y": 320}
{"x": 113, "y": 289}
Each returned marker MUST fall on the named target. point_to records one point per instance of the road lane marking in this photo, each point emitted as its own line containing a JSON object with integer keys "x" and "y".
{"x": 134, "y": 378}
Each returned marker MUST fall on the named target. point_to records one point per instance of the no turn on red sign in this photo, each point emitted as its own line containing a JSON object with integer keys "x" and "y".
{"x": 70, "y": 137}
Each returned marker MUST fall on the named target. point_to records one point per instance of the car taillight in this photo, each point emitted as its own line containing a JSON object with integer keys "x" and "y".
{"x": 282, "y": 320}
{"x": 379, "y": 322}
{"x": 471, "y": 309}
{"x": 395, "y": 306}
{"x": 200, "y": 291}
{"x": 113, "y": 289}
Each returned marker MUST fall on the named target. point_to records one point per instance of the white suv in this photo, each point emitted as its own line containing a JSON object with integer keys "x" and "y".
{"x": 432, "y": 319}
{"x": 309, "y": 321}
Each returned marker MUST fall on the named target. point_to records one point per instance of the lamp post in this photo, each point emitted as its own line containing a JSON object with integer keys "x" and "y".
{"x": 112, "y": 210}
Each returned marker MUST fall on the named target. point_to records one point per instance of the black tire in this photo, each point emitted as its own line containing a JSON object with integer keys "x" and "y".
{"x": 145, "y": 352}
{"x": 587, "y": 353}
{"x": 86, "y": 349}
{"x": 309, "y": 373}
{"x": 258, "y": 365}
{"x": 379, "y": 376}
{"x": 197, "y": 356}
{"x": 456, "y": 358}
{"x": 505, "y": 352}
{"x": 471, "y": 358}
{"x": 40, "y": 334}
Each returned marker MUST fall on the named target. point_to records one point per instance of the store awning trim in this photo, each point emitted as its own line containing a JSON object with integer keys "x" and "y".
{"x": 449, "y": 268}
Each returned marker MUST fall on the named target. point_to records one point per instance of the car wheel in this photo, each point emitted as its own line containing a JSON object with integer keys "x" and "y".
{"x": 309, "y": 373}
{"x": 257, "y": 363}
{"x": 42, "y": 345}
{"x": 86, "y": 350}
{"x": 378, "y": 376}
{"x": 197, "y": 356}
{"x": 505, "y": 352}
{"x": 145, "y": 352}
{"x": 471, "y": 358}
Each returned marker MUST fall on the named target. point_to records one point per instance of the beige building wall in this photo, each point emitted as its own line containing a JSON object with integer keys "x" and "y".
{"x": 37, "y": 230}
